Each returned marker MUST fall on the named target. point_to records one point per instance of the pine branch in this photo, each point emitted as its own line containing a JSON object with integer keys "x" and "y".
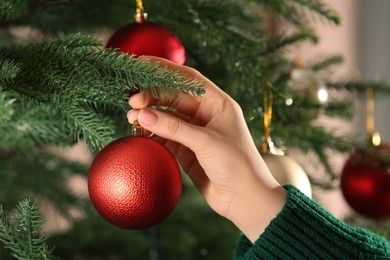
{"x": 320, "y": 8}
{"x": 34, "y": 125}
{"x": 7, "y": 9}
{"x": 223, "y": 49}
{"x": 54, "y": 17}
{"x": 60, "y": 77}
{"x": 381, "y": 88}
{"x": 31, "y": 125}
{"x": 17, "y": 12}
{"x": 71, "y": 41}
{"x": 342, "y": 109}
{"x": 295, "y": 11}
{"x": 324, "y": 159}
{"x": 280, "y": 41}
{"x": 76, "y": 60}
{"x": 316, "y": 139}
{"x": 325, "y": 63}
{"x": 95, "y": 130}
{"x": 7, "y": 234}
{"x": 40, "y": 174}
{"x": 24, "y": 238}
{"x": 283, "y": 11}
{"x": 8, "y": 71}
{"x": 7, "y": 108}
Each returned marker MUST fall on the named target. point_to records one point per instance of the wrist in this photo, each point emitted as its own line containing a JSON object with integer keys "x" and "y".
{"x": 253, "y": 210}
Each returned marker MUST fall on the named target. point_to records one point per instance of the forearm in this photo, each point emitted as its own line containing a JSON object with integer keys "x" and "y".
{"x": 304, "y": 230}
{"x": 253, "y": 211}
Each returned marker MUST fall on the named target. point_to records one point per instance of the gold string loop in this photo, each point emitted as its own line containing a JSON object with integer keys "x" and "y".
{"x": 373, "y": 136}
{"x": 268, "y": 99}
{"x": 267, "y": 107}
{"x": 140, "y": 14}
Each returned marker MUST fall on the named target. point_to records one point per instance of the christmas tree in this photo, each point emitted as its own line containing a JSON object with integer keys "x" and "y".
{"x": 59, "y": 87}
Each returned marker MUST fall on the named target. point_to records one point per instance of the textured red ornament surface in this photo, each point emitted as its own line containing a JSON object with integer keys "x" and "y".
{"x": 148, "y": 38}
{"x": 365, "y": 183}
{"x": 134, "y": 182}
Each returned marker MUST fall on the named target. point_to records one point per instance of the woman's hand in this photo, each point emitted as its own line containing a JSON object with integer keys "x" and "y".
{"x": 211, "y": 141}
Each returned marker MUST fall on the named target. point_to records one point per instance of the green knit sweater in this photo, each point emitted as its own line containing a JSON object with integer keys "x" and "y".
{"x": 304, "y": 230}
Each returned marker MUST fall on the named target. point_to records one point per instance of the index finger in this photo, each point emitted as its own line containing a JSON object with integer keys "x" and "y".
{"x": 188, "y": 72}
{"x": 183, "y": 103}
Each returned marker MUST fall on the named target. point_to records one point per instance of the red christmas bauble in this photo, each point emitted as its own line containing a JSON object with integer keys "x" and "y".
{"x": 147, "y": 38}
{"x": 134, "y": 182}
{"x": 365, "y": 183}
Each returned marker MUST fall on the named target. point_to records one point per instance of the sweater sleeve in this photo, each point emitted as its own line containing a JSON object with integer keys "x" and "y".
{"x": 304, "y": 230}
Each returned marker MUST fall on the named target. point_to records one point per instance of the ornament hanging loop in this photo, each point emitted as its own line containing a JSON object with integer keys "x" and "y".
{"x": 140, "y": 15}
{"x": 266, "y": 144}
{"x": 138, "y": 130}
{"x": 268, "y": 98}
{"x": 373, "y": 136}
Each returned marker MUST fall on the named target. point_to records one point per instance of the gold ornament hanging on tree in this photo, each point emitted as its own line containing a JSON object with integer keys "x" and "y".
{"x": 284, "y": 169}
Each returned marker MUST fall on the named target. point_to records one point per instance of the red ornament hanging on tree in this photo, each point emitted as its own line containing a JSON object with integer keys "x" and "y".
{"x": 134, "y": 182}
{"x": 365, "y": 178}
{"x": 365, "y": 182}
{"x": 147, "y": 38}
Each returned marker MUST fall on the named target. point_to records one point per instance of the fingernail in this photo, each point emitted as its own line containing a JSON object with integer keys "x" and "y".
{"x": 132, "y": 115}
{"x": 147, "y": 117}
{"x": 132, "y": 100}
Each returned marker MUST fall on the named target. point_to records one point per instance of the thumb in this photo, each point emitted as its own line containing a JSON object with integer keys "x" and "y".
{"x": 170, "y": 127}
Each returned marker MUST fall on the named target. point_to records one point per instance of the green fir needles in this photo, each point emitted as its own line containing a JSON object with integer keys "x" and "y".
{"x": 66, "y": 89}
{"x": 21, "y": 232}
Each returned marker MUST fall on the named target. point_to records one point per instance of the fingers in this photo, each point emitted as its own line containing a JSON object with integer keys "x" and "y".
{"x": 185, "y": 104}
{"x": 172, "y": 128}
{"x": 132, "y": 115}
{"x": 141, "y": 100}
{"x": 188, "y": 73}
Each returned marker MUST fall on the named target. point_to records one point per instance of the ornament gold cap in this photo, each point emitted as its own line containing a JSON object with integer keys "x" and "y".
{"x": 140, "y": 15}
{"x": 298, "y": 63}
{"x": 268, "y": 147}
{"x": 374, "y": 138}
{"x": 137, "y": 129}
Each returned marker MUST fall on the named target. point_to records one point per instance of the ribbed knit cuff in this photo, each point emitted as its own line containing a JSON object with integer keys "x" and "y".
{"x": 304, "y": 230}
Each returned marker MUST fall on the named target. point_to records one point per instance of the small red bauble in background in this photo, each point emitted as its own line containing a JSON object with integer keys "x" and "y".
{"x": 147, "y": 38}
{"x": 365, "y": 182}
{"x": 134, "y": 182}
